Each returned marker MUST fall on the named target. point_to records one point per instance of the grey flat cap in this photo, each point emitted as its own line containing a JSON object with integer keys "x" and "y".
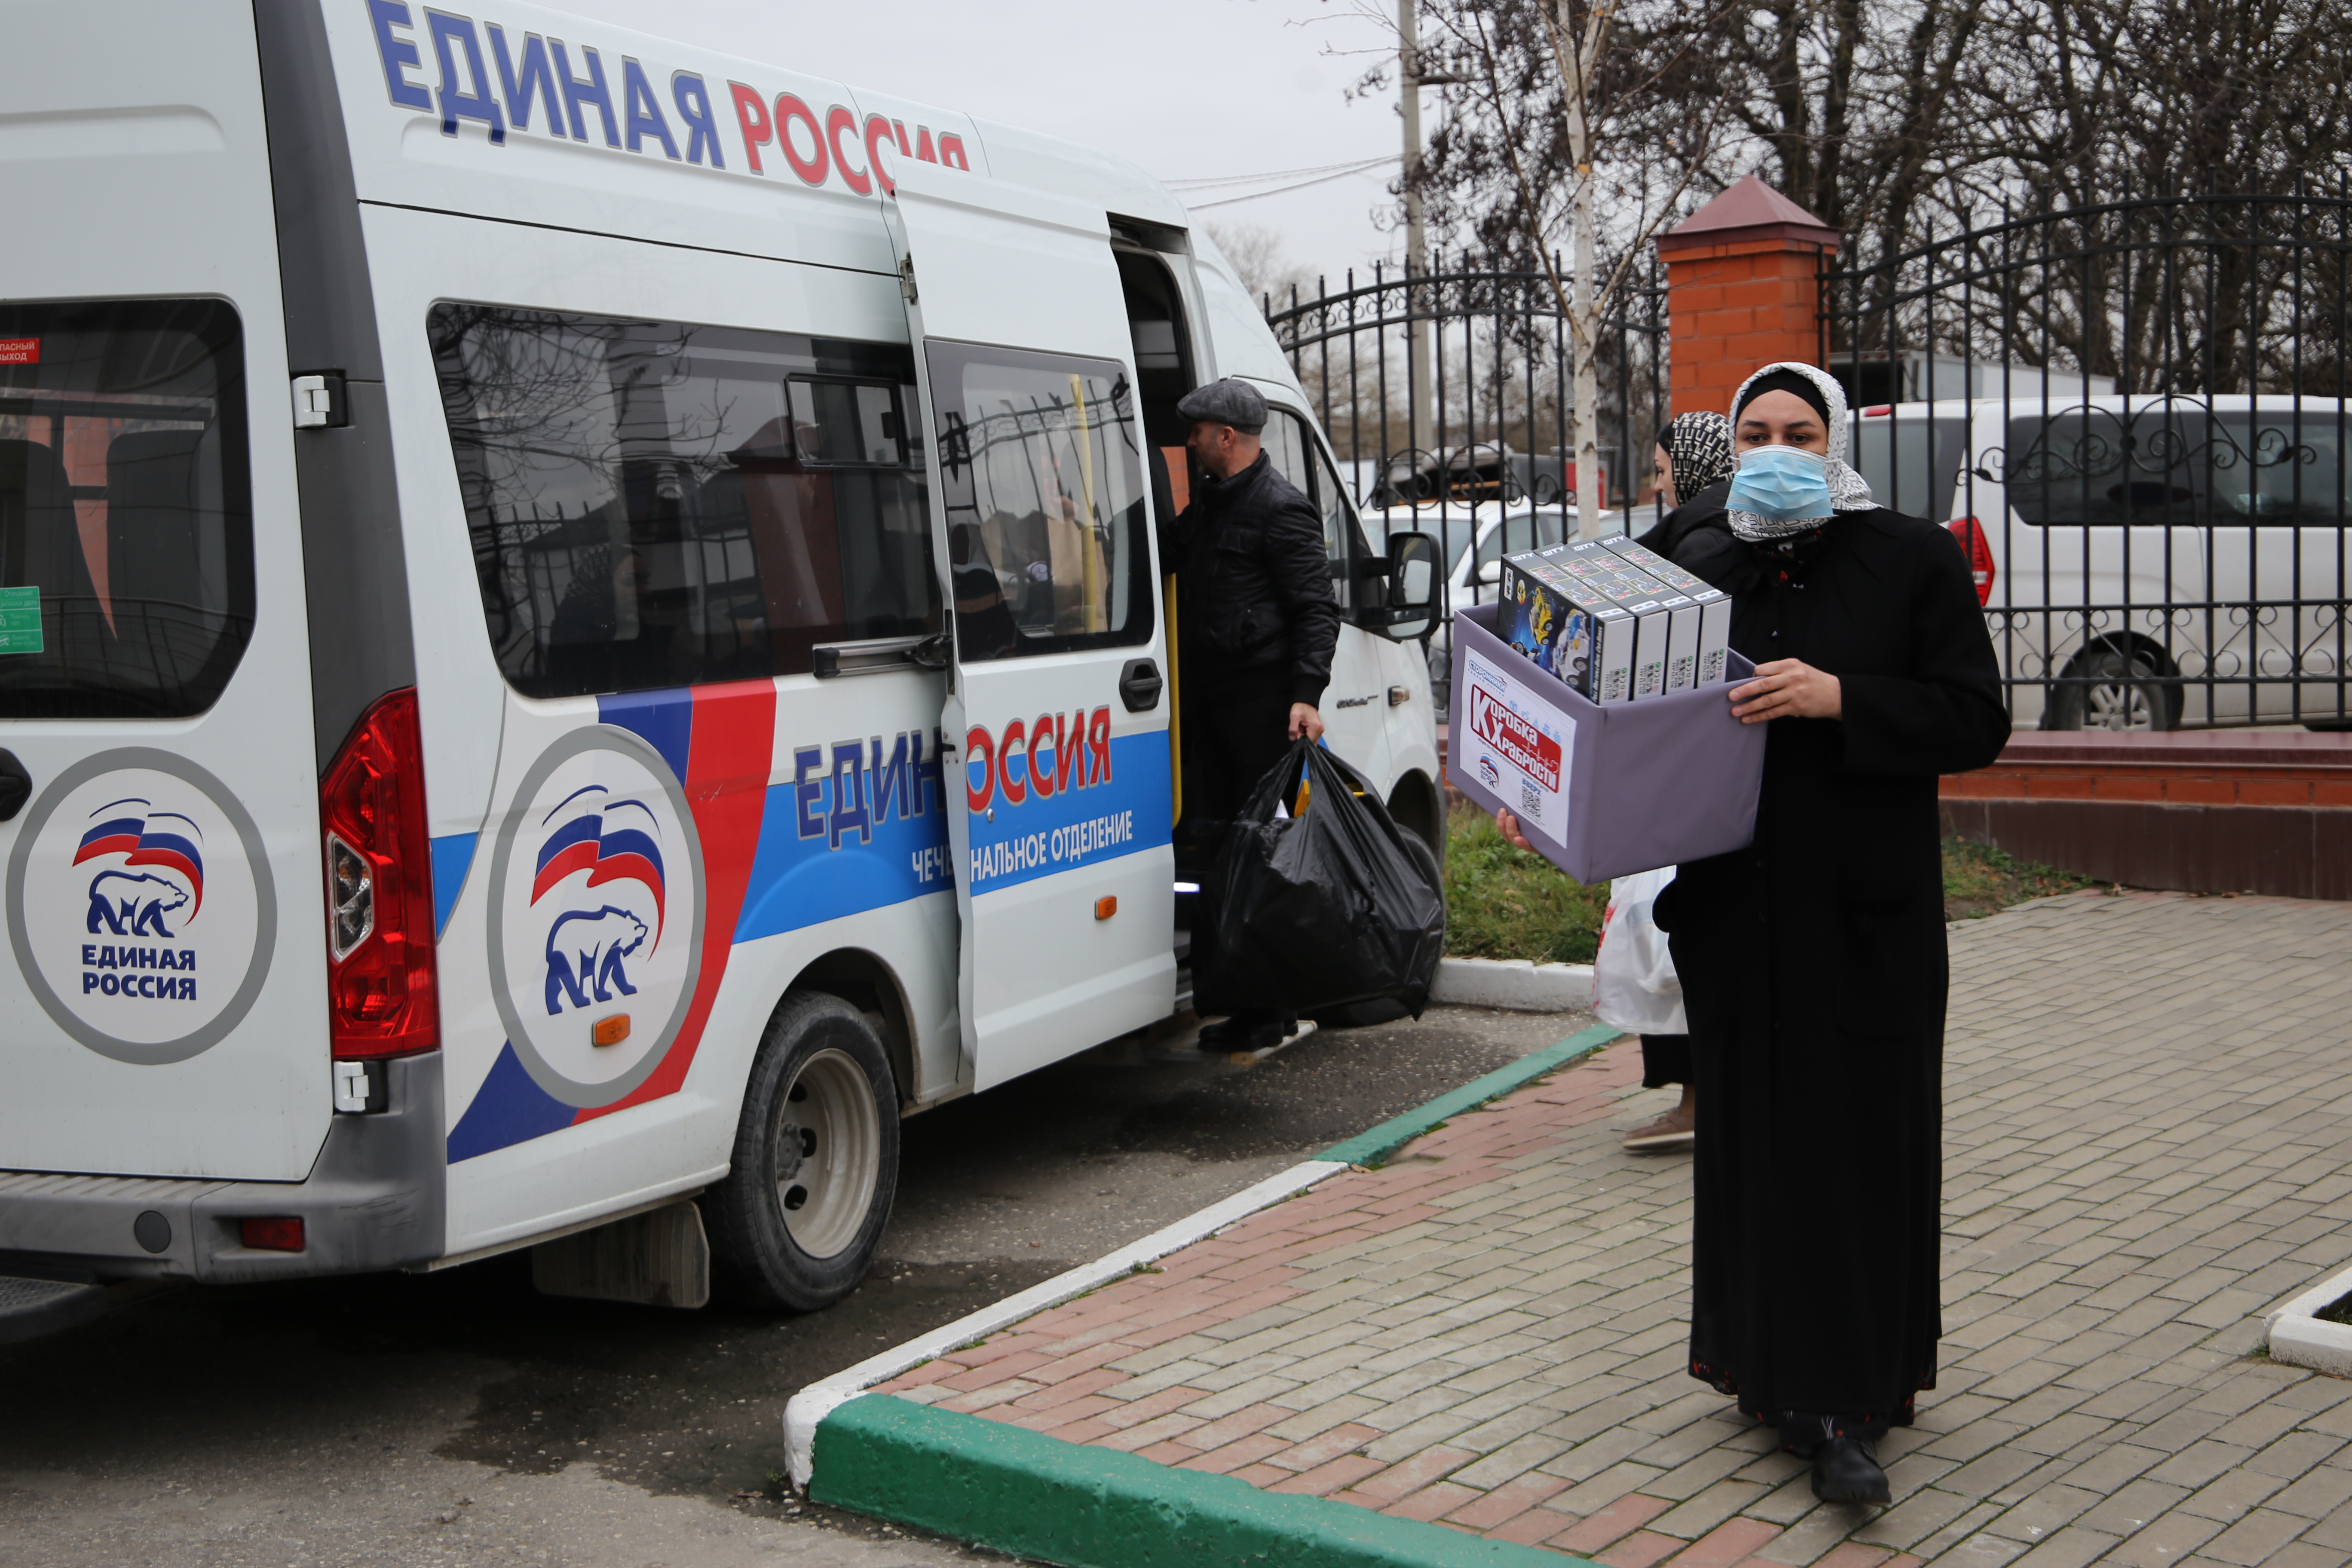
{"x": 1228, "y": 402}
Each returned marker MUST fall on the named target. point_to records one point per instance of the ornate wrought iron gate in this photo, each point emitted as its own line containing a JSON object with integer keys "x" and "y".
{"x": 1446, "y": 395}
{"x": 2134, "y": 415}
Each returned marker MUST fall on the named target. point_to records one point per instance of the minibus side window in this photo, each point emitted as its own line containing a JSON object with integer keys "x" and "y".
{"x": 655, "y": 504}
{"x": 1292, "y": 449}
{"x": 126, "y": 512}
{"x": 1286, "y": 445}
{"x": 1043, "y": 473}
{"x": 2274, "y": 469}
{"x": 847, "y": 423}
{"x": 2176, "y": 464}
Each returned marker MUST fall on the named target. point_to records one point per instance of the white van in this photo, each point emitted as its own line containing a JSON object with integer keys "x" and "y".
{"x": 580, "y": 628}
{"x": 1497, "y": 529}
{"x": 2144, "y": 563}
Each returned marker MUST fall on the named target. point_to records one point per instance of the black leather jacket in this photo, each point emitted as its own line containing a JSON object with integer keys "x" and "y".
{"x": 1253, "y": 584}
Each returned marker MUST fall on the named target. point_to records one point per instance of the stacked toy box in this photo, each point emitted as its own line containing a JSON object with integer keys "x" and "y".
{"x": 1591, "y": 701}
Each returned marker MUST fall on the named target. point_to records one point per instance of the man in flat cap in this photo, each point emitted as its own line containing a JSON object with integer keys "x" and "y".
{"x": 1256, "y": 623}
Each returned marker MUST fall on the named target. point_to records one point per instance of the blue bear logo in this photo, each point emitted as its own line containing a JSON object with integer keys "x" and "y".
{"x": 126, "y": 904}
{"x": 599, "y": 939}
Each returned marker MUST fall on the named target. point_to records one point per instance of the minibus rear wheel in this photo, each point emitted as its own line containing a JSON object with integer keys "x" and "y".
{"x": 2125, "y": 693}
{"x": 794, "y": 1225}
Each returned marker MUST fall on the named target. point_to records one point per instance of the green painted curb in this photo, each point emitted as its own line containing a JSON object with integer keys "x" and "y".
{"x": 1024, "y": 1492}
{"x": 1371, "y": 1147}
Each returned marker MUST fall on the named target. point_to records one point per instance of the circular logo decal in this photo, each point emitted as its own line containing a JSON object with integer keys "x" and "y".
{"x": 595, "y": 936}
{"x": 140, "y": 906}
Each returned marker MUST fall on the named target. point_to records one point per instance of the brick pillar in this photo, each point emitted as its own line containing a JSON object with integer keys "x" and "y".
{"x": 1743, "y": 290}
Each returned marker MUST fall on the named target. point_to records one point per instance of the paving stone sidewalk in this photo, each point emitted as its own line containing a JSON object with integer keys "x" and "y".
{"x": 2147, "y": 1144}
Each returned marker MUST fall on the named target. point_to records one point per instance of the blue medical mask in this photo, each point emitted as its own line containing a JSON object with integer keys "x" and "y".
{"x": 1784, "y": 483}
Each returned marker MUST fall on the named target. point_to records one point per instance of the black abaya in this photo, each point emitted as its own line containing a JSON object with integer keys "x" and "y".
{"x": 1813, "y": 970}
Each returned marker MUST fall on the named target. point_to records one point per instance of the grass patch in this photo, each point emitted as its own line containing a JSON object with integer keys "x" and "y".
{"x": 2337, "y": 1311}
{"x": 1505, "y": 902}
{"x": 1980, "y": 879}
{"x": 1502, "y": 901}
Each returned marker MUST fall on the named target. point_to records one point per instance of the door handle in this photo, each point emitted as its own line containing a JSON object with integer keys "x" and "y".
{"x": 1139, "y": 685}
{"x": 15, "y": 785}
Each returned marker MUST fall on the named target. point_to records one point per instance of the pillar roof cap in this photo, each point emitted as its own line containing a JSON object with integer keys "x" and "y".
{"x": 1750, "y": 210}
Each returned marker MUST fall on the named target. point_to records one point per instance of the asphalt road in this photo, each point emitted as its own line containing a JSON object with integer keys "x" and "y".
{"x": 463, "y": 1418}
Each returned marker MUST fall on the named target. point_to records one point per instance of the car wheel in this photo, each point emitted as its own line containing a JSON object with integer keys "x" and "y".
{"x": 2123, "y": 693}
{"x": 794, "y": 1225}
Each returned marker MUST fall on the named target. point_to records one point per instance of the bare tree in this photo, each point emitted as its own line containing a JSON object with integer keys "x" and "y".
{"x": 1266, "y": 270}
{"x": 1586, "y": 126}
{"x": 1563, "y": 130}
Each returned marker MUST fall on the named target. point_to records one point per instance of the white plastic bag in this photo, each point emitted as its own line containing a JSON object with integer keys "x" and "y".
{"x": 1633, "y": 981}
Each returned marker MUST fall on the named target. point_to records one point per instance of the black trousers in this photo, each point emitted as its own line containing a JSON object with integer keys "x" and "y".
{"x": 1665, "y": 1060}
{"x": 1234, "y": 730}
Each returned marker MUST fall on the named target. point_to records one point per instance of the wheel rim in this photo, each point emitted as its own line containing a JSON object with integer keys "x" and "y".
{"x": 2120, "y": 708}
{"x": 2123, "y": 705}
{"x": 828, "y": 1153}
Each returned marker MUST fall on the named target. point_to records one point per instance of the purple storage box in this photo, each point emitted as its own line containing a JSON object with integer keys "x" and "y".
{"x": 1601, "y": 791}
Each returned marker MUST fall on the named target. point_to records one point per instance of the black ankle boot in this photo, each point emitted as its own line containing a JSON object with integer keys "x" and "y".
{"x": 1845, "y": 1469}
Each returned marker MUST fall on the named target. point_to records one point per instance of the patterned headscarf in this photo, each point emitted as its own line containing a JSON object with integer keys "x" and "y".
{"x": 1698, "y": 449}
{"x": 1849, "y": 491}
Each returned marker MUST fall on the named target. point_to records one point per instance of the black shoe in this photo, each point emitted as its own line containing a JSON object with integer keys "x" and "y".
{"x": 1845, "y": 1469}
{"x": 1245, "y": 1032}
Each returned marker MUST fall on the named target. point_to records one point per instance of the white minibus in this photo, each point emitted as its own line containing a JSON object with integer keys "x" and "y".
{"x": 2151, "y": 561}
{"x": 581, "y": 632}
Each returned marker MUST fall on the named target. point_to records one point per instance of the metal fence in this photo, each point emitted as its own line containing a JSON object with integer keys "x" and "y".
{"x": 2134, "y": 414}
{"x": 1447, "y": 396}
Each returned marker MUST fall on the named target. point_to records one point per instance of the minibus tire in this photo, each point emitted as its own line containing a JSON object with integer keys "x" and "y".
{"x": 2118, "y": 669}
{"x": 811, "y": 1253}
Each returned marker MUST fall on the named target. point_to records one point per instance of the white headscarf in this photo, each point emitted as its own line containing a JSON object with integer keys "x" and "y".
{"x": 1849, "y": 491}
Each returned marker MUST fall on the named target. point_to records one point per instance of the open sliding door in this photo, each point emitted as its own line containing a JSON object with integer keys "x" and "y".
{"x": 1055, "y": 709}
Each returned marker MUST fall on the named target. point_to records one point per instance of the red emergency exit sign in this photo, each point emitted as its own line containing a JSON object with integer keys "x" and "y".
{"x": 20, "y": 351}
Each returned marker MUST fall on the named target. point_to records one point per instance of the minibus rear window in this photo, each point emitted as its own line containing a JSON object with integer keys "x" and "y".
{"x": 1907, "y": 472}
{"x": 654, "y": 505}
{"x": 2177, "y": 463}
{"x": 126, "y": 517}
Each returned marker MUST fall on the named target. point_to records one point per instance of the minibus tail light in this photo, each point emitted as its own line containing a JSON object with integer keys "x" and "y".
{"x": 282, "y": 1234}
{"x": 381, "y": 994}
{"x": 1977, "y": 545}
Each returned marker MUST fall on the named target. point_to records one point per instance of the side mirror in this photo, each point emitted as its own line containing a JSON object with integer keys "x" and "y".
{"x": 1415, "y": 585}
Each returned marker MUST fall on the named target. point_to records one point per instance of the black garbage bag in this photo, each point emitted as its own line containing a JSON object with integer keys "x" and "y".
{"x": 1332, "y": 906}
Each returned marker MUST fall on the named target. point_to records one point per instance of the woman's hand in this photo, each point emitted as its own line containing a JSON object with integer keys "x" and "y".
{"x": 1508, "y": 826}
{"x": 1786, "y": 688}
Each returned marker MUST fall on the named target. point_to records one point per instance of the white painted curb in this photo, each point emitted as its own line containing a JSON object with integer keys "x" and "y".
{"x": 819, "y": 1400}
{"x": 2299, "y": 1337}
{"x": 1514, "y": 984}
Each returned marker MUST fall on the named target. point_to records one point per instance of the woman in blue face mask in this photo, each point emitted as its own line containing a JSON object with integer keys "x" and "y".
{"x": 1813, "y": 963}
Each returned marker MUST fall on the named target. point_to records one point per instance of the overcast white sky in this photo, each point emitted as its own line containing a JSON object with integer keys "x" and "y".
{"x": 1209, "y": 89}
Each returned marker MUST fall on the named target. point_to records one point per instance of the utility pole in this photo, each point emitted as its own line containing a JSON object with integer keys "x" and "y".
{"x": 1416, "y": 227}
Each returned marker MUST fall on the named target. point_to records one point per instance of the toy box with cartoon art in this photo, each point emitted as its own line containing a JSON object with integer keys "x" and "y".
{"x": 1566, "y": 628}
